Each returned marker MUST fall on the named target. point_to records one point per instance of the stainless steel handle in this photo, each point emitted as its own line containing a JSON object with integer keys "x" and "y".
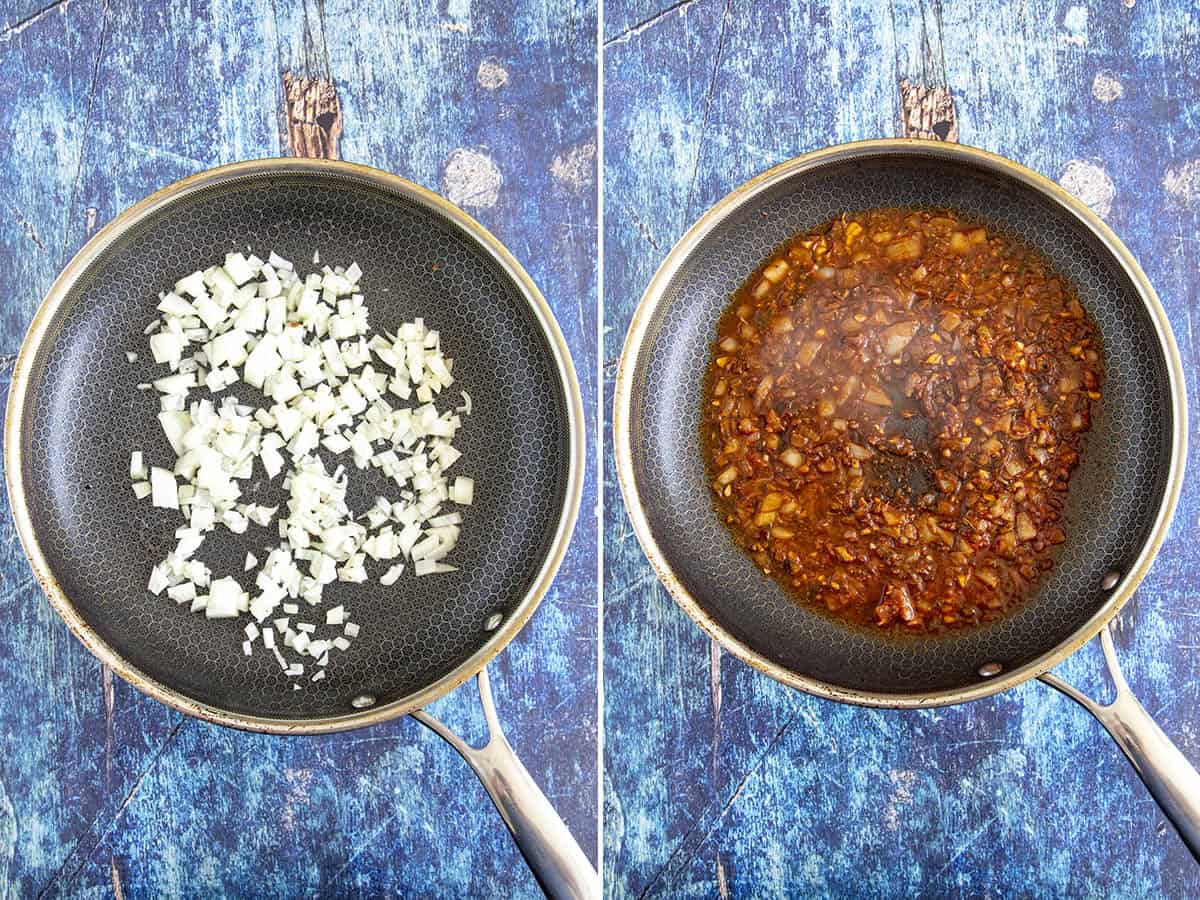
{"x": 1172, "y": 780}
{"x": 557, "y": 862}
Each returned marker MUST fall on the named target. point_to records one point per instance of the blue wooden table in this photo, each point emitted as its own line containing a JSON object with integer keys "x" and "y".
{"x": 106, "y": 793}
{"x": 721, "y": 782}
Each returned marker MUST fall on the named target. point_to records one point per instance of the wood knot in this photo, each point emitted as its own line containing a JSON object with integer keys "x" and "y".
{"x": 927, "y": 112}
{"x": 314, "y": 116}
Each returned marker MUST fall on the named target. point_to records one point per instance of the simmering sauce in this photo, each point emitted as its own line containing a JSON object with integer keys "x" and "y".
{"x": 893, "y": 409}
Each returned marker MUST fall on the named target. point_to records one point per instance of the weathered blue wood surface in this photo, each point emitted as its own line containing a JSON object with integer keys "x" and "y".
{"x": 720, "y": 782}
{"x": 104, "y": 792}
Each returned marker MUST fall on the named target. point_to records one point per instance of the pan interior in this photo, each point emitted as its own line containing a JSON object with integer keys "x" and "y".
{"x": 1114, "y": 493}
{"x": 83, "y": 416}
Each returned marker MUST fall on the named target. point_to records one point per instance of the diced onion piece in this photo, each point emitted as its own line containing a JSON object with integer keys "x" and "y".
{"x": 184, "y": 592}
{"x": 431, "y": 566}
{"x": 463, "y": 490}
{"x": 158, "y": 579}
{"x": 167, "y": 348}
{"x": 163, "y": 489}
{"x": 238, "y": 268}
{"x": 305, "y": 344}
{"x": 175, "y": 425}
{"x": 791, "y": 456}
{"x": 223, "y": 597}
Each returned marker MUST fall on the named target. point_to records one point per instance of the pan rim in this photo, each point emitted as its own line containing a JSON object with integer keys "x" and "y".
{"x": 159, "y": 200}
{"x": 681, "y": 252}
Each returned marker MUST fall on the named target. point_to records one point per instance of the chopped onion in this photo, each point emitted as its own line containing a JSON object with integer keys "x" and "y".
{"x": 163, "y": 489}
{"x": 463, "y": 491}
{"x": 223, "y": 597}
{"x": 184, "y": 592}
{"x": 305, "y": 344}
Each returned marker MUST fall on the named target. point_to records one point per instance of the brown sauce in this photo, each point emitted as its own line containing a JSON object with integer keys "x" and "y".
{"x": 894, "y": 406}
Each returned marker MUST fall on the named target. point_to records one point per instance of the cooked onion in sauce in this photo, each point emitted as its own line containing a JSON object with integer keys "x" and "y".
{"x": 893, "y": 409}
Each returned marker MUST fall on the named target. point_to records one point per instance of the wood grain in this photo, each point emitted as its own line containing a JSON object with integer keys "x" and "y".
{"x": 314, "y": 117}
{"x": 106, "y": 793}
{"x": 720, "y": 782}
{"x": 927, "y": 112}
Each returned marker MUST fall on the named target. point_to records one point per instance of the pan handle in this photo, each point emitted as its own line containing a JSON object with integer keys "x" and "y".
{"x": 1172, "y": 780}
{"x": 557, "y": 862}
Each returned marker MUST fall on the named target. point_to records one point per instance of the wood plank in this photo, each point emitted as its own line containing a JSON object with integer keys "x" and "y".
{"x": 314, "y": 117}
{"x": 782, "y": 794}
{"x": 631, "y": 17}
{"x": 653, "y": 655}
{"x": 108, "y": 792}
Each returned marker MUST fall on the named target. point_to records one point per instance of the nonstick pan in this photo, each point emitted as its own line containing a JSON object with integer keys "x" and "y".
{"x": 74, "y": 416}
{"x": 1121, "y": 497}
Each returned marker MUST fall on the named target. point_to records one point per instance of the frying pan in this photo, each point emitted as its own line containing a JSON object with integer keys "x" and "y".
{"x": 1120, "y": 501}
{"x": 74, "y": 416}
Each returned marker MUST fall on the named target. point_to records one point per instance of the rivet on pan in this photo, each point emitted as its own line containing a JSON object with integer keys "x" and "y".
{"x": 362, "y": 701}
{"x": 493, "y": 622}
{"x": 1110, "y": 580}
{"x": 990, "y": 670}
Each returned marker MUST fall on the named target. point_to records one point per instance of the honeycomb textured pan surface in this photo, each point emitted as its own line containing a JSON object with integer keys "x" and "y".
{"x": 1114, "y": 495}
{"x": 84, "y": 416}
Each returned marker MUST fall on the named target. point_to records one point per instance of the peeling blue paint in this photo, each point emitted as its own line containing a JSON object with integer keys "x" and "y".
{"x": 100, "y": 104}
{"x": 781, "y": 794}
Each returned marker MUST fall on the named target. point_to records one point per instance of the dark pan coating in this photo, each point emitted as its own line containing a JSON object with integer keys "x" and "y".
{"x": 83, "y": 417}
{"x": 1115, "y": 493}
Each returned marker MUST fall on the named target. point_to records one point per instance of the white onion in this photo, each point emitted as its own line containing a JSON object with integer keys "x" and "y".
{"x": 163, "y": 489}
{"x": 223, "y": 597}
{"x": 463, "y": 490}
{"x": 184, "y": 592}
{"x": 305, "y": 344}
